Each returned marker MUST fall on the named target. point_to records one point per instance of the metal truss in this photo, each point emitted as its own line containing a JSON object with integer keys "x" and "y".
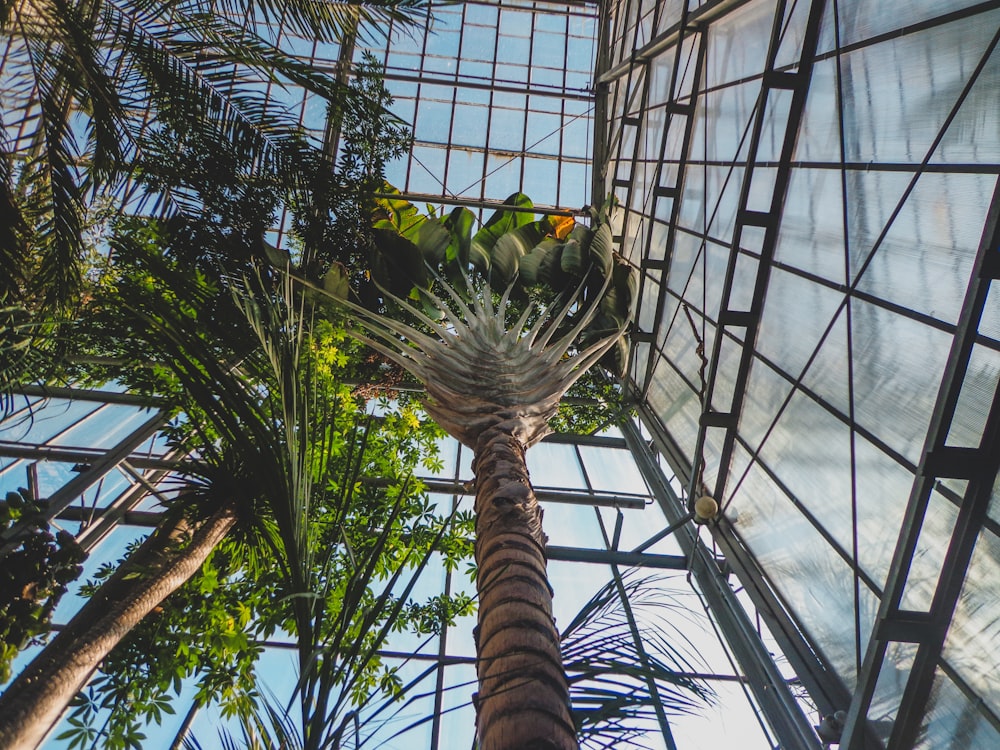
{"x": 771, "y": 691}
{"x": 977, "y": 466}
{"x": 724, "y": 390}
{"x": 91, "y": 474}
{"x": 738, "y": 327}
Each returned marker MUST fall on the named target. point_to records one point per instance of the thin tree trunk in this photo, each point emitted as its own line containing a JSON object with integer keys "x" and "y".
{"x": 32, "y": 704}
{"x": 523, "y": 701}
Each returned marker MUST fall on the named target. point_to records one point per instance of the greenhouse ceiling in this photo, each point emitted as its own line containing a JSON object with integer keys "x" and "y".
{"x": 808, "y": 191}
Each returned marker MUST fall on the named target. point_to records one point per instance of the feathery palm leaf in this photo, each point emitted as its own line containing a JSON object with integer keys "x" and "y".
{"x": 611, "y": 680}
{"x": 84, "y": 86}
{"x": 266, "y": 428}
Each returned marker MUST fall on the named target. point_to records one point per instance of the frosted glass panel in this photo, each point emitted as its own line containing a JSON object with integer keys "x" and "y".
{"x": 738, "y": 43}
{"x": 970, "y": 646}
{"x": 797, "y": 314}
{"x": 810, "y": 577}
{"x": 810, "y": 454}
{"x": 811, "y": 236}
{"x": 923, "y": 262}
{"x": 886, "y": 121}
{"x": 897, "y": 370}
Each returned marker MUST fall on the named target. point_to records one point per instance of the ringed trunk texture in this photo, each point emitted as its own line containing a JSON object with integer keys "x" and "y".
{"x": 523, "y": 700}
{"x": 32, "y": 704}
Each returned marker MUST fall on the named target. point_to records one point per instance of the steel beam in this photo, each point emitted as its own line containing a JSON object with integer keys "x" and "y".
{"x": 97, "y": 470}
{"x": 81, "y": 455}
{"x": 672, "y": 191}
{"x": 704, "y": 14}
{"x": 614, "y": 557}
{"x": 781, "y": 710}
{"x": 978, "y": 466}
{"x": 544, "y": 494}
{"x": 89, "y": 394}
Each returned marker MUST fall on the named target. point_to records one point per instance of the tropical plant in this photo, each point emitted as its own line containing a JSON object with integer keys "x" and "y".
{"x": 629, "y": 667}
{"x": 33, "y": 702}
{"x": 33, "y": 575}
{"x": 628, "y": 663}
{"x": 97, "y": 94}
{"x": 161, "y": 278}
{"x": 87, "y": 85}
{"x": 502, "y": 323}
{"x": 210, "y": 632}
{"x": 278, "y": 462}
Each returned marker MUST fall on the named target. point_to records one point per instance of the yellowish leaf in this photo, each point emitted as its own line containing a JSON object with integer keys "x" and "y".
{"x": 562, "y": 226}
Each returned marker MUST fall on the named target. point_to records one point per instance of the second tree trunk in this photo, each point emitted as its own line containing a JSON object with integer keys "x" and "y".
{"x": 32, "y": 704}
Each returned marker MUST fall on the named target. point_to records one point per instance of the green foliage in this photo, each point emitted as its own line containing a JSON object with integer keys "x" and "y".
{"x": 549, "y": 261}
{"x": 33, "y": 576}
{"x": 619, "y": 689}
{"x": 499, "y": 224}
{"x": 192, "y": 308}
{"x": 90, "y": 87}
{"x": 594, "y": 403}
{"x": 206, "y": 632}
{"x": 331, "y": 526}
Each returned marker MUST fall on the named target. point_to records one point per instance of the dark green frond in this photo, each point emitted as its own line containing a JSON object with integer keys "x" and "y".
{"x": 617, "y": 686}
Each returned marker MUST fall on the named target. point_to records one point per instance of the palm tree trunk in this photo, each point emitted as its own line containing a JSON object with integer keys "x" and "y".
{"x": 523, "y": 701}
{"x": 32, "y": 704}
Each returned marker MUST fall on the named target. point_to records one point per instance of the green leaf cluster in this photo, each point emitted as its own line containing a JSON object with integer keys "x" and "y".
{"x": 33, "y": 575}
{"x": 534, "y": 260}
{"x": 334, "y": 530}
{"x": 91, "y": 87}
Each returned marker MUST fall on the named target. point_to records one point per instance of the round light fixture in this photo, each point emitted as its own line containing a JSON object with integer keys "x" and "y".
{"x": 705, "y": 509}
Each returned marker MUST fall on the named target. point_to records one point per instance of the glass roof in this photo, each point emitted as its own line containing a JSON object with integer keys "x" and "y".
{"x": 581, "y": 481}
{"x": 809, "y": 190}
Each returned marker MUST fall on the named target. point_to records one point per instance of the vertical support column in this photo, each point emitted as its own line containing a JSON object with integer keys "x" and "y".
{"x": 902, "y": 625}
{"x": 601, "y": 119}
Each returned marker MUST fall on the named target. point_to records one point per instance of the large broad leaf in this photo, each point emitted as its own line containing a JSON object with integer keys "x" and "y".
{"x": 398, "y": 264}
{"x": 550, "y": 271}
{"x": 572, "y": 260}
{"x": 545, "y": 252}
{"x": 617, "y": 303}
{"x": 511, "y": 247}
{"x": 616, "y": 359}
{"x": 336, "y": 282}
{"x": 460, "y": 222}
{"x": 433, "y": 239}
{"x": 562, "y": 226}
{"x": 602, "y": 249}
{"x": 400, "y": 214}
{"x": 501, "y": 222}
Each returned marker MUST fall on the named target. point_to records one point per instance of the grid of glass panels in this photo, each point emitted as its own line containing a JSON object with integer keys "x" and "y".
{"x": 811, "y": 194}
{"x": 596, "y": 503}
{"x": 499, "y": 95}
{"x": 501, "y": 98}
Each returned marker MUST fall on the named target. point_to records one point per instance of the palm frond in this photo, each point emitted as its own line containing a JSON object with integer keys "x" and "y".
{"x": 13, "y": 234}
{"x": 87, "y": 86}
{"x": 618, "y": 686}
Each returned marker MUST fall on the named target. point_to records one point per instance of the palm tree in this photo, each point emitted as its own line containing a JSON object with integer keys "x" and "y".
{"x": 532, "y": 306}
{"x": 87, "y": 85}
{"x": 266, "y": 433}
{"x": 229, "y": 211}
{"x": 34, "y": 701}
